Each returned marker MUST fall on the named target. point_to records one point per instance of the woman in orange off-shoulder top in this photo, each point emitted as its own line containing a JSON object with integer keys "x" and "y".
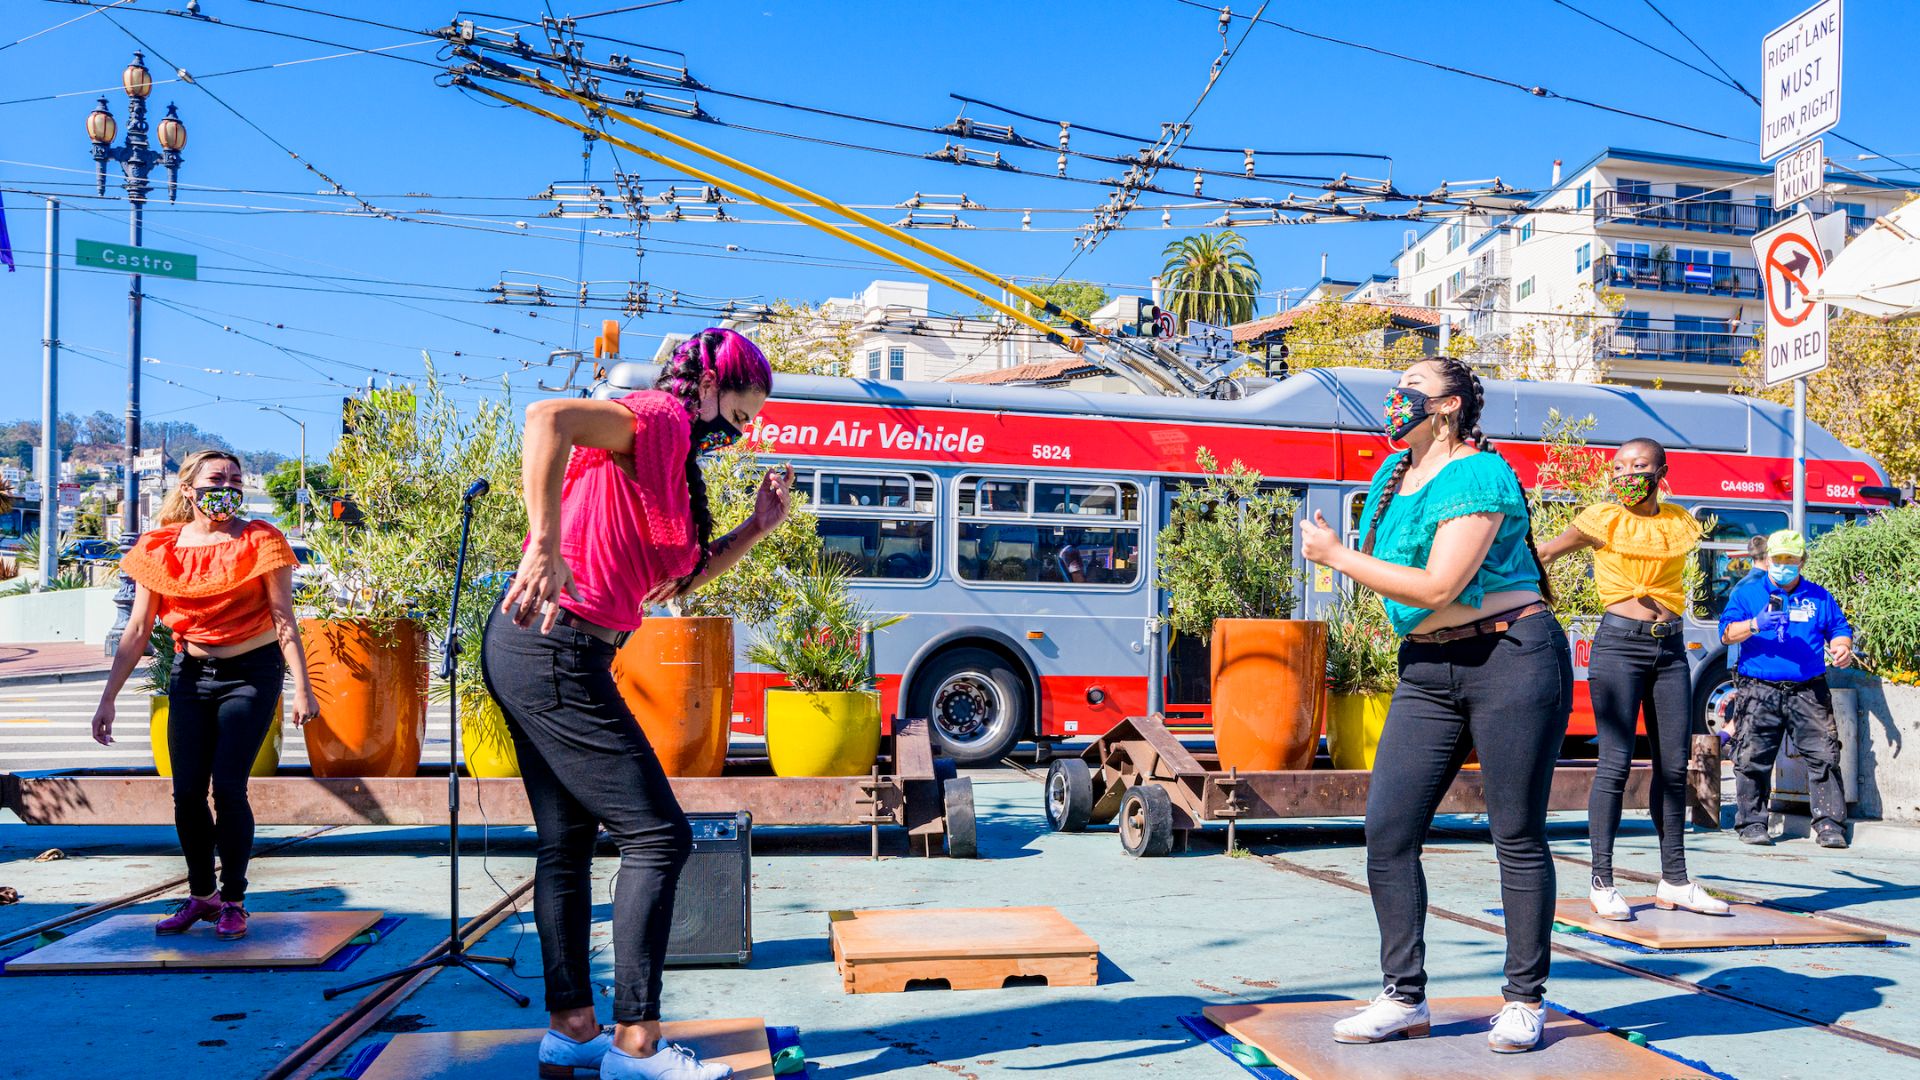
{"x": 224, "y": 586}
{"x": 1639, "y": 668}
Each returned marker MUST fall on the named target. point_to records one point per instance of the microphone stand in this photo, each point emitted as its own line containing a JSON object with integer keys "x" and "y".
{"x": 456, "y": 954}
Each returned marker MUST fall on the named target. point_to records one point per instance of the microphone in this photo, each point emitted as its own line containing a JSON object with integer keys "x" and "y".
{"x": 478, "y": 488}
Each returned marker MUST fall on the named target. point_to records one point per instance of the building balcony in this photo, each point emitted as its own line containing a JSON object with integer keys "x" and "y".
{"x": 1670, "y": 276}
{"x": 1691, "y": 213}
{"x": 1679, "y": 346}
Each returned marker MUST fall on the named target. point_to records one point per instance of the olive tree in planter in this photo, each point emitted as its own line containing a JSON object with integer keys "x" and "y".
{"x": 406, "y": 464}
{"x": 676, "y": 673}
{"x": 1362, "y": 670}
{"x": 828, "y": 722}
{"x": 1226, "y": 564}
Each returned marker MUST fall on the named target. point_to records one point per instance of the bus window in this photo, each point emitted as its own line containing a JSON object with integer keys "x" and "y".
{"x": 1820, "y": 524}
{"x": 1723, "y": 553}
{"x": 880, "y": 526}
{"x": 1047, "y": 545}
{"x": 1734, "y": 525}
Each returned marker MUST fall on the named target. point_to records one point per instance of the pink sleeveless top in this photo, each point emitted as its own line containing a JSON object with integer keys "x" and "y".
{"x": 626, "y": 522}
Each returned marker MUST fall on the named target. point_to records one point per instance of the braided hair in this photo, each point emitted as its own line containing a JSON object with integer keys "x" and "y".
{"x": 737, "y": 365}
{"x": 1458, "y": 380}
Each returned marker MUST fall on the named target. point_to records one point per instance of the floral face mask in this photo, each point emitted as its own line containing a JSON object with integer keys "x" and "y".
{"x": 1405, "y": 408}
{"x": 218, "y": 503}
{"x": 1633, "y": 488}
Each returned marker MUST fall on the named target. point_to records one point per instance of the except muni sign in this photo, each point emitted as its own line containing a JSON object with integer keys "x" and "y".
{"x": 136, "y": 260}
{"x": 1800, "y": 79}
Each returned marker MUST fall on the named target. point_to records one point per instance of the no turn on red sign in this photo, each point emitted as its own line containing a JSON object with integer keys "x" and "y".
{"x": 1790, "y": 262}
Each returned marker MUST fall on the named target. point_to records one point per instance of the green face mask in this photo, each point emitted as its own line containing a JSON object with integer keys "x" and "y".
{"x": 1633, "y": 488}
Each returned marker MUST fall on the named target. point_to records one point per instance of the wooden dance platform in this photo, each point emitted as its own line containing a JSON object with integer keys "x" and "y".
{"x": 1750, "y": 925}
{"x": 513, "y": 1054}
{"x": 274, "y": 939}
{"x": 880, "y": 952}
{"x": 1298, "y": 1036}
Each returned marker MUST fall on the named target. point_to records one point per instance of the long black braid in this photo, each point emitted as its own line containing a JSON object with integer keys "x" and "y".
{"x": 1458, "y": 380}
{"x": 681, "y": 378}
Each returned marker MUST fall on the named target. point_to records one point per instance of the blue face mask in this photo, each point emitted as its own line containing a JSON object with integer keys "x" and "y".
{"x": 1784, "y": 576}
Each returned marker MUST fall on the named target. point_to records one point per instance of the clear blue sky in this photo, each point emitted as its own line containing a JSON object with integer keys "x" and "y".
{"x": 354, "y": 294}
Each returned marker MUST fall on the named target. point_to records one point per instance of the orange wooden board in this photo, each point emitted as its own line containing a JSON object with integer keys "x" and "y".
{"x": 1298, "y": 1036}
{"x": 514, "y": 1054}
{"x": 274, "y": 939}
{"x": 967, "y": 948}
{"x": 1751, "y": 925}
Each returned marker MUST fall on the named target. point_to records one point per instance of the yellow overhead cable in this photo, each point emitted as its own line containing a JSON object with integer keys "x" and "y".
{"x": 1042, "y": 303}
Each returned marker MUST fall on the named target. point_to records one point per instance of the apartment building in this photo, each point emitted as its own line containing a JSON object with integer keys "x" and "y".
{"x": 897, "y": 337}
{"x": 1662, "y": 237}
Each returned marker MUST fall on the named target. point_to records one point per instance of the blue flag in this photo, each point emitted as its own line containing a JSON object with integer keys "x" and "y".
{"x": 6, "y": 245}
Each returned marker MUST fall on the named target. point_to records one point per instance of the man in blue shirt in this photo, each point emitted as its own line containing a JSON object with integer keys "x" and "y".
{"x": 1788, "y": 630}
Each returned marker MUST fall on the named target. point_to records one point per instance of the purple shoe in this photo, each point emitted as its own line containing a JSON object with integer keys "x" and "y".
{"x": 232, "y": 924}
{"x": 191, "y": 910}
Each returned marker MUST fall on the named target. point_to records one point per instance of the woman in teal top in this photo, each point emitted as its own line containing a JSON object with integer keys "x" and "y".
{"x": 1484, "y": 666}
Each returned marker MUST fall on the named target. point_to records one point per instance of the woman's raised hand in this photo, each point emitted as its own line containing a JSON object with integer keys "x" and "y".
{"x": 542, "y": 578}
{"x": 1318, "y": 540}
{"x": 774, "y": 500}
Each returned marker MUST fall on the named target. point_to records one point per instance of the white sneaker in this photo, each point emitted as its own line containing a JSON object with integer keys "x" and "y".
{"x": 1382, "y": 1019}
{"x": 671, "y": 1062}
{"x": 1689, "y": 896}
{"x": 1609, "y": 904}
{"x": 561, "y": 1058}
{"x": 1516, "y": 1028}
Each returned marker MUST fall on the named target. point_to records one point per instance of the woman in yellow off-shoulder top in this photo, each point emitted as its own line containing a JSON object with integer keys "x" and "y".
{"x": 1639, "y": 667}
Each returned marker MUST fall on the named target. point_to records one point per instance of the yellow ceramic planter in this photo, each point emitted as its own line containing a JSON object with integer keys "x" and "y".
{"x": 266, "y": 763}
{"x": 826, "y": 734}
{"x": 485, "y": 742}
{"x": 1354, "y": 723}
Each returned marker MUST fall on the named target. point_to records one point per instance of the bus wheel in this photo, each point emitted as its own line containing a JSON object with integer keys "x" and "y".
{"x": 1146, "y": 821}
{"x": 975, "y": 702}
{"x": 1069, "y": 795}
{"x": 1712, "y": 691}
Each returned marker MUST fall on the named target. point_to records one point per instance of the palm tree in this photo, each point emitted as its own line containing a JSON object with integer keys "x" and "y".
{"x": 1209, "y": 278}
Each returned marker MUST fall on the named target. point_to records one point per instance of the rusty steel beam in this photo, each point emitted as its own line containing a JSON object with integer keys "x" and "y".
{"x": 1343, "y": 793}
{"x": 80, "y": 799}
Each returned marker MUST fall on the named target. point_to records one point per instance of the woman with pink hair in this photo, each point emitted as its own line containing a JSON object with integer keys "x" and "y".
{"x": 617, "y": 520}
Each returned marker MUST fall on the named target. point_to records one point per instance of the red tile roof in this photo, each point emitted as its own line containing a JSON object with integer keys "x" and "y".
{"x": 1040, "y": 371}
{"x": 1404, "y": 314}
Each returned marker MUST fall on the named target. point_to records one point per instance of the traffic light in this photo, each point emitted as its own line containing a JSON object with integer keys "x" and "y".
{"x": 1147, "y": 322}
{"x": 347, "y": 406}
{"x": 347, "y": 512}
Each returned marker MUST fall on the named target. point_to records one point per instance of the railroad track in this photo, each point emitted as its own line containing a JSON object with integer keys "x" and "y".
{"x": 1892, "y": 1046}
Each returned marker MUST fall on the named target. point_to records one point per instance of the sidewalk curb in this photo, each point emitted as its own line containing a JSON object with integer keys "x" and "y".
{"x": 50, "y": 678}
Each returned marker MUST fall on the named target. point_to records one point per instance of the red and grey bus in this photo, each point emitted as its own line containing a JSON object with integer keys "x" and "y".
{"x": 1016, "y": 527}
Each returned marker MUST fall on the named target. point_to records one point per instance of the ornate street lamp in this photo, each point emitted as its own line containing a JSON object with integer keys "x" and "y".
{"x": 136, "y": 159}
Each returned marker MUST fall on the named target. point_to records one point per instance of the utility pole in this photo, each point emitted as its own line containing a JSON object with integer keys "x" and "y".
{"x": 50, "y": 406}
{"x": 300, "y": 495}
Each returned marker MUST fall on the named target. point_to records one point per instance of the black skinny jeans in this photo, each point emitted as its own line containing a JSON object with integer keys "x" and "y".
{"x": 1764, "y": 714}
{"x": 1506, "y": 695}
{"x": 585, "y": 764}
{"x": 1632, "y": 674}
{"x": 219, "y": 711}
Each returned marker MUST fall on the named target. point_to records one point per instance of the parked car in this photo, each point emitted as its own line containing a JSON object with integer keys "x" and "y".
{"x": 90, "y": 548}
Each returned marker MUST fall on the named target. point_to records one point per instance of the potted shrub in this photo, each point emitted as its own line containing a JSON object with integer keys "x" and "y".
{"x": 676, "y": 671}
{"x": 1226, "y": 563}
{"x": 828, "y": 722}
{"x": 407, "y": 460}
{"x": 1362, "y": 670}
{"x": 159, "y": 676}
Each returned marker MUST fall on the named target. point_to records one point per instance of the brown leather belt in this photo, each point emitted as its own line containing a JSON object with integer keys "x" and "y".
{"x": 608, "y": 635}
{"x": 1492, "y": 624}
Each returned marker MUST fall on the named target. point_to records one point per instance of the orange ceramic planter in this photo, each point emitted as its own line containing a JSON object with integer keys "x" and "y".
{"x": 373, "y": 697}
{"x": 677, "y": 677}
{"x": 1267, "y": 680}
